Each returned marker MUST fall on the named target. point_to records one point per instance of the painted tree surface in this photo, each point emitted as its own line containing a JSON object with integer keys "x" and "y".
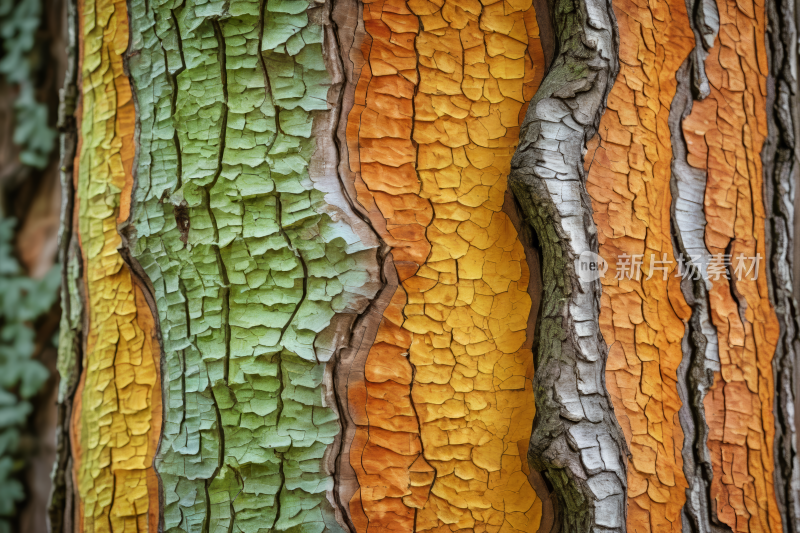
{"x": 320, "y": 267}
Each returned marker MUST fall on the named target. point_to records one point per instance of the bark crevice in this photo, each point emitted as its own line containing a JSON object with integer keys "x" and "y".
{"x": 700, "y": 345}
{"x": 779, "y": 157}
{"x": 62, "y": 503}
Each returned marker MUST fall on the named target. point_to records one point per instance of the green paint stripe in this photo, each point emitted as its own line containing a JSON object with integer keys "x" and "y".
{"x": 265, "y": 265}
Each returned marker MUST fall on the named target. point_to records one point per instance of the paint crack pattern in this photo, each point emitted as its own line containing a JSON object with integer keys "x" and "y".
{"x": 242, "y": 229}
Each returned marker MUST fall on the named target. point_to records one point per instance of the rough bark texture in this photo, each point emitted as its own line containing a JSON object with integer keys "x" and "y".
{"x": 629, "y": 183}
{"x": 300, "y": 295}
{"x": 257, "y": 263}
{"x": 116, "y": 413}
{"x": 780, "y": 191}
{"x": 241, "y": 240}
{"x": 700, "y": 343}
{"x": 724, "y": 377}
{"x": 725, "y": 133}
{"x": 576, "y": 440}
{"x": 445, "y": 407}
{"x": 61, "y": 510}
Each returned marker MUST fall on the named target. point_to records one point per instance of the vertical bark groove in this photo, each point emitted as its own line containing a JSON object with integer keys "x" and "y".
{"x": 780, "y": 190}
{"x": 700, "y": 344}
{"x": 60, "y": 508}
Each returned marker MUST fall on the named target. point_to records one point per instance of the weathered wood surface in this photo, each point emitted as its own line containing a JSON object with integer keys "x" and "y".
{"x": 780, "y": 193}
{"x": 294, "y": 222}
{"x": 628, "y": 179}
{"x": 577, "y": 440}
{"x": 716, "y": 337}
{"x": 725, "y": 134}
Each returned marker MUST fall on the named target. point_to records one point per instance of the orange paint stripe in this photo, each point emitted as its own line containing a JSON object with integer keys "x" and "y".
{"x": 387, "y": 441}
{"x": 394, "y": 183}
{"x": 725, "y": 134}
{"x": 629, "y": 182}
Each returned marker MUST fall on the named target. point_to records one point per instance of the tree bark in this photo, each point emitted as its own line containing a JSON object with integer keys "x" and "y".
{"x": 322, "y": 267}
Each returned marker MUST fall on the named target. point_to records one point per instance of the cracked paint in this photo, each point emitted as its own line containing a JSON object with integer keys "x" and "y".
{"x": 440, "y": 96}
{"x": 725, "y": 134}
{"x": 254, "y": 256}
{"x": 641, "y": 319}
{"x": 208, "y": 188}
{"x": 629, "y": 185}
{"x": 117, "y": 412}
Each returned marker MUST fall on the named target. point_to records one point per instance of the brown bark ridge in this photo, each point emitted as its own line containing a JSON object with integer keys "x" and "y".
{"x": 61, "y": 507}
{"x": 577, "y": 441}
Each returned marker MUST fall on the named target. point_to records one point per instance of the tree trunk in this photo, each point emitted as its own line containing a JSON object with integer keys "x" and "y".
{"x": 324, "y": 267}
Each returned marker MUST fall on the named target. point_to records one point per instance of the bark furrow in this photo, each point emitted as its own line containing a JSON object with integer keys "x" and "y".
{"x": 700, "y": 344}
{"x": 60, "y": 512}
{"x": 724, "y": 135}
{"x": 780, "y": 188}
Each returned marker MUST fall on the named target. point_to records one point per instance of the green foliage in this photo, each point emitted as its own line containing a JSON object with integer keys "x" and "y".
{"x": 19, "y": 20}
{"x": 22, "y": 300}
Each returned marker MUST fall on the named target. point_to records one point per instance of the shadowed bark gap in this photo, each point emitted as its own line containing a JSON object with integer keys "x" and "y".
{"x": 780, "y": 190}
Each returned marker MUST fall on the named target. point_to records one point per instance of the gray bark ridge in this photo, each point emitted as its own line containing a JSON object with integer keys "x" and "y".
{"x": 700, "y": 344}
{"x": 576, "y": 441}
{"x": 779, "y": 157}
